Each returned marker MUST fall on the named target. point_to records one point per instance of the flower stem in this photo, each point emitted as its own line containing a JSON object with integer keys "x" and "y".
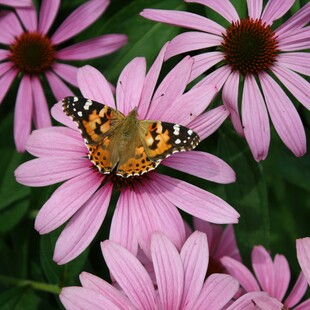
{"x": 51, "y": 288}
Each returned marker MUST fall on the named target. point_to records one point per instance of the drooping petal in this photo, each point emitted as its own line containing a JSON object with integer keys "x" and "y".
{"x": 5, "y": 82}
{"x": 284, "y": 115}
{"x": 298, "y": 86}
{"x": 130, "y": 275}
{"x": 92, "y": 48}
{"x": 170, "y": 89}
{"x": 80, "y": 19}
{"x": 303, "y": 256}
{"x": 304, "y": 305}
{"x": 255, "y": 119}
{"x": 299, "y": 40}
{"x": 224, "y": 7}
{"x": 241, "y": 273}
{"x": 217, "y": 291}
{"x": 82, "y": 228}
{"x": 93, "y": 85}
{"x": 23, "y": 113}
{"x": 169, "y": 271}
{"x": 297, "y": 292}
{"x": 10, "y": 27}
{"x": 263, "y": 267}
{"x": 48, "y": 12}
{"x": 194, "y": 200}
{"x": 195, "y": 259}
{"x": 255, "y": 8}
{"x": 59, "y": 88}
{"x": 29, "y": 18}
{"x": 130, "y": 84}
{"x": 207, "y": 123}
{"x": 298, "y": 62}
{"x": 59, "y": 115}
{"x": 16, "y": 3}
{"x": 282, "y": 276}
{"x": 230, "y": 100}
{"x": 202, "y": 165}
{"x": 56, "y": 142}
{"x": 275, "y": 9}
{"x": 41, "y": 113}
{"x": 122, "y": 230}
{"x": 96, "y": 284}
{"x": 66, "y": 72}
{"x": 245, "y": 302}
{"x": 66, "y": 200}
{"x": 191, "y": 41}
{"x": 267, "y": 303}
{"x": 183, "y": 19}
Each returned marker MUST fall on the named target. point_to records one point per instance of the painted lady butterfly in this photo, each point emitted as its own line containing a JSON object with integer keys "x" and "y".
{"x": 124, "y": 144}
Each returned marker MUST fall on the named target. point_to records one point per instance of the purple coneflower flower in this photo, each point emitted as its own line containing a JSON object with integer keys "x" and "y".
{"x": 16, "y": 3}
{"x": 250, "y": 49}
{"x": 146, "y": 203}
{"x": 303, "y": 255}
{"x": 32, "y": 53}
{"x": 273, "y": 277}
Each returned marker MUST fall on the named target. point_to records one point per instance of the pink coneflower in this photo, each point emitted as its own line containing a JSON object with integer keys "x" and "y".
{"x": 250, "y": 49}
{"x": 272, "y": 276}
{"x": 146, "y": 203}
{"x": 180, "y": 279}
{"x": 33, "y": 53}
{"x": 303, "y": 255}
{"x": 16, "y": 3}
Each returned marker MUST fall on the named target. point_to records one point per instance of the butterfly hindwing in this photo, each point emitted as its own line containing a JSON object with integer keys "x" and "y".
{"x": 95, "y": 120}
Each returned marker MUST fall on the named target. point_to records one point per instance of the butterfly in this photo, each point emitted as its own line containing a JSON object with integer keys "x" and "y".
{"x": 125, "y": 145}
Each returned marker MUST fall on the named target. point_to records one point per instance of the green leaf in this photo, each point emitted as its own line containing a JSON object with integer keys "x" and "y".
{"x": 248, "y": 195}
{"x": 20, "y": 298}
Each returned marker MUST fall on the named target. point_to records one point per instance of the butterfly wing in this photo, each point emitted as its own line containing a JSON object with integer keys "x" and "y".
{"x": 95, "y": 120}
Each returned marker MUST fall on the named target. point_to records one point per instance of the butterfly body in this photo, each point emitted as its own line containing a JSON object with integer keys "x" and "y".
{"x": 123, "y": 144}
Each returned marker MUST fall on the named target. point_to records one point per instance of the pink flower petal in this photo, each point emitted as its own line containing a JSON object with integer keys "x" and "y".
{"x": 59, "y": 88}
{"x": 150, "y": 83}
{"x": 282, "y": 277}
{"x": 299, "y": 40}
{"x": 96, "y": 284}
{"x": 241, "y": 273}
{"x": 207, "y": 123}
{"x": 83, "y": 226}
{"x": 4, "y": 54}
{"x": 5, "y": 82}
{"x": 194, "y": 200}
{"x": 184, "y": 19}
{"x": 130, "y": 275}
{"x": 28, "y": 17}
{"x": 255, "y": 119}
{"x": 10, "y": 27}
{"x": 83, "y": 298}
{"x": 59, "y": 115}
{"x": 304, "y": 305}
{"x": 92, "y": 48}
{"x": 263, "y": 268}
{"x": 150, "y": 214}
{"x": 275, "y": 9}
{"x": 303, "y": 256}
{"x": 122, "y": 230}
{"x": 169, "y": 271}
{"x": 130, "y": 84}
{"x": 170, "y": 89}
{"x": 46, "y": 171}
{"x": 267, "y": 303}
{"x": 93, "y": 85}
{"x": 66, "y": 200}
{"x": 255, "y": 8}
{"x": 224, "y": 7}
{"x": 203, "y": 62}
{"x": 298, "y": 86}
{"x": 191, "y": 41}
{"x": 195, "y": 259}
{"x": 202, "y": 165}
{"x": 284, "y": 116}
{"x": 297, "y": 292}
{"x": 85, "y": 15}
{"x": 56, "y": 142}
{"x": 295, "y": 61}
{"x": 16, "y": 3}
{"x": 66, "y": 72}
{"x": 245, "y": 302}
{"x": 230, "y": 100}
{"x": 47, "y": 14}
{"x": 41, "y": 113}
{"x": 23, "y": 113}
{"x": 5, "y": 67}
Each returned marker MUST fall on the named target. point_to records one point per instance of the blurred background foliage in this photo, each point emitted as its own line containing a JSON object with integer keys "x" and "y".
{"x": 272, "y": 197}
